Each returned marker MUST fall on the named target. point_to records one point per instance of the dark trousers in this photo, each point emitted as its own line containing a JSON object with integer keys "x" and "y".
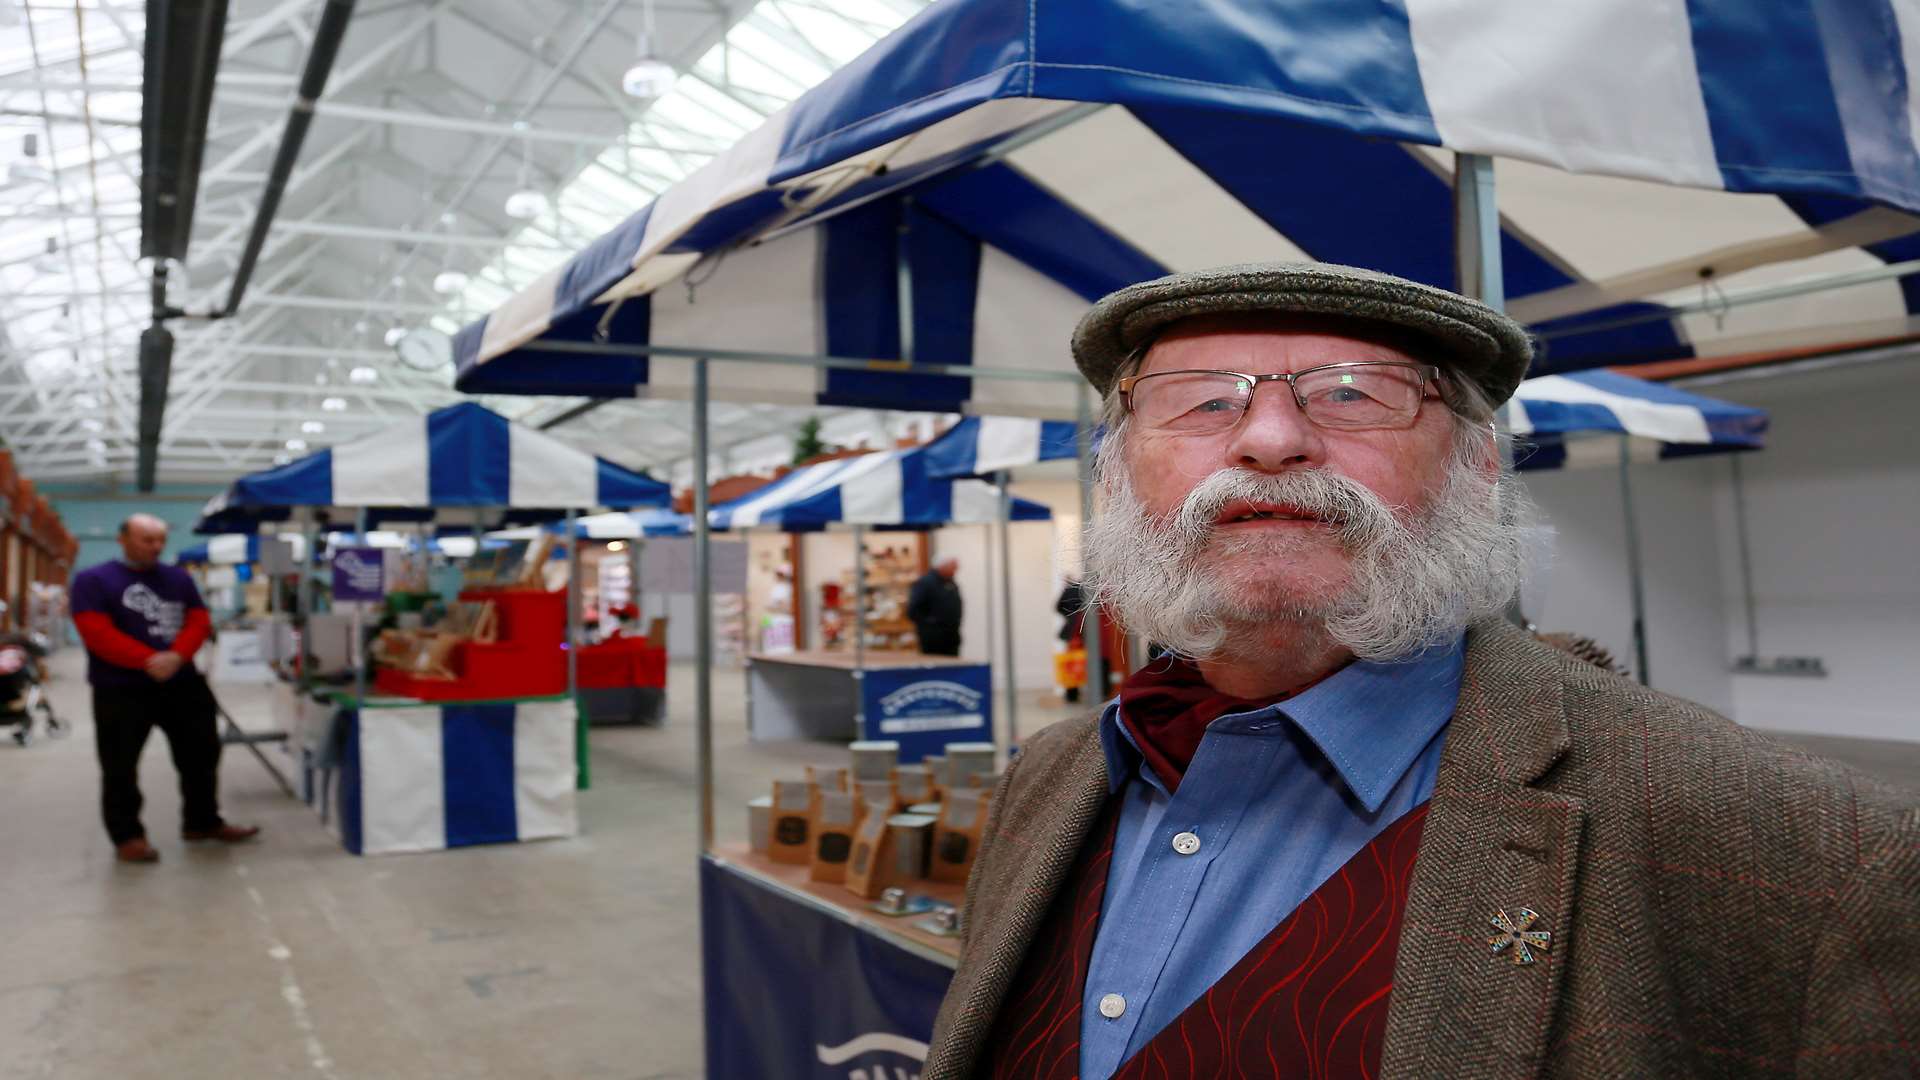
{"x": 937, "y": 639}
{"x": 122, "y": 716}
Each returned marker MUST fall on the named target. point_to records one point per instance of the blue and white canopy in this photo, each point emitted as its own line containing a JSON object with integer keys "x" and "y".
{"x": 462, "y": 455}
{"x": 624, "y": 525}
{"x": 1015, "y": 161}
{"x": 979, "y": 445}
{"x": 1553, "y": 412}
{"x": 234, "y": 549}
{"x": 889, "y": 489}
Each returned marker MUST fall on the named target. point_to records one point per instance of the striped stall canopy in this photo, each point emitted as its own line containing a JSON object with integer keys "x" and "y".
{"x": 886, "y": 489}
{"x": 461, "y": 456}
{"x": 1551, "y": 413}
{"x": 619, "y": 525}
{"x": 979, "y": 445}
{"x": 1665, "y": 166}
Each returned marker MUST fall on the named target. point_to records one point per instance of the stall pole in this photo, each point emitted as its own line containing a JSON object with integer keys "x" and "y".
{"x": 859, "y": 600}
{"x": 1746, "y": 555}
{"x": 1633, "y": 563}
{"x": 583, "y": 778}
{"x": 702, "y": 609}
{"x": 1006, "y": 733}
{"x": 1478, "y": 273}
{"x": 357, "y": 648}
{"x": 1096, "y": 688}
{"x": 633, "y": 580}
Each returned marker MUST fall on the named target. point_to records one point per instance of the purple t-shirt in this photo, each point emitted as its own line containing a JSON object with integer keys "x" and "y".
{"x": 150, "y": 606}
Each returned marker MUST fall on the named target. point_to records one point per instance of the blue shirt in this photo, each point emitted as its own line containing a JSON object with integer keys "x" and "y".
{"x": 1273, "y": 804}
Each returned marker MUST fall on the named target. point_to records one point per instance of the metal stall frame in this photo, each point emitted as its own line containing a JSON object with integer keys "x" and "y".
{"x": 1478, "y": 274}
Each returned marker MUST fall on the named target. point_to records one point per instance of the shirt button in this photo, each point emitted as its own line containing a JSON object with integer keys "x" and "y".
{"x": 1112, "y": 1006}
{"x": 1186, "y": 843}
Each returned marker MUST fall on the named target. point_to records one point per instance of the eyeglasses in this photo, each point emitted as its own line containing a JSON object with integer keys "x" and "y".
{"x": 1363, "y": 394}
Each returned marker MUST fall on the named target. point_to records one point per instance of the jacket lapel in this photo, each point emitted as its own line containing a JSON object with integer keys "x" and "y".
{"x": 1058, "y": 799}
{"x": 1492, "y": 843}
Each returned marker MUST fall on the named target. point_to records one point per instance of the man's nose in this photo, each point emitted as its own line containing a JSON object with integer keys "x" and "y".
{"x": 1274, "y": 434}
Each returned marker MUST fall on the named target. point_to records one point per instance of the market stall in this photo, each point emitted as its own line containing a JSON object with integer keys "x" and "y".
{"x": 470, "y": 693}
{"x": 891, "y": 691}
{"x": 966, "y": 188}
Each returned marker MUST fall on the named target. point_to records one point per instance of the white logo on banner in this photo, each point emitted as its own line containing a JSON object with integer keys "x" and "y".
{"x": 362, "y": 576}
{"x": 951, "y": 693}
{"x": 876, "y": 1042}
{"x": 164, "y": 617}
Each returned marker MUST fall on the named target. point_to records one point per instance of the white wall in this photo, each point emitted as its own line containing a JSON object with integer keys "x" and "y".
{"x": 1833, "y": 513}
{"x": 1584, "y": 586}
{"x": 1833, "y": 508}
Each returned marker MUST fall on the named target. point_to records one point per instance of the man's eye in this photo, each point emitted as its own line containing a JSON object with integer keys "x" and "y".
{"x": 1215, "y": 405}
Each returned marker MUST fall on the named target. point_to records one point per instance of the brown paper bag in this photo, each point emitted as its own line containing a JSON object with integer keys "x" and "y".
{"x": 790, "y": 823}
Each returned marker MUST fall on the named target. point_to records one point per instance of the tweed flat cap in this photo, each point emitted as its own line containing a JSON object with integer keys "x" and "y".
{"x": 1474, "y": 340}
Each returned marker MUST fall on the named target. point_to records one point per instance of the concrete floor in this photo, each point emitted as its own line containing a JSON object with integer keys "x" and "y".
{"x": 288, "y": 957}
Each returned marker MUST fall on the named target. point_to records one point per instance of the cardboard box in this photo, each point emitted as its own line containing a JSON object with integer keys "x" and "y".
{"x": 835, "y": 816}
{"x": 789, "y": 824}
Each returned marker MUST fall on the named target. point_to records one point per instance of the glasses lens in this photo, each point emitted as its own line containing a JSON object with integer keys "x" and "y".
{"x": 1371, "y": 395}
{"x": 1191, "y": 400}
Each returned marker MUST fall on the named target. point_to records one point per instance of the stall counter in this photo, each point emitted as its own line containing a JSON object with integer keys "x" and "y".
{"x": 803, "y": 979}
{"x": 922, "y": 702}
{"x": 400, "y": 774}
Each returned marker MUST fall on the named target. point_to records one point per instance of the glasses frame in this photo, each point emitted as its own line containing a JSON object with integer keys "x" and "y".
{"x": 1429, "y": 376}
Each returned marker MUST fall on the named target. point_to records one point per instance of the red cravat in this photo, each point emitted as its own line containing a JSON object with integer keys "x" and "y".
{"x": 1167, "y": 705}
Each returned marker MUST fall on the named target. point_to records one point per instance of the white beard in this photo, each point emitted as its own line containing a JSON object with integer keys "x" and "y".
{"x": 1412, "y": 581}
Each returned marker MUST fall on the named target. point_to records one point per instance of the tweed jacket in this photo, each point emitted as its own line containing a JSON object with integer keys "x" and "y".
{"x": 1721, "y": 905}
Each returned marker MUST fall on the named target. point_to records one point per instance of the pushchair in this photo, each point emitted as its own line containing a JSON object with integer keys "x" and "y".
{"x": 23, "y": 697}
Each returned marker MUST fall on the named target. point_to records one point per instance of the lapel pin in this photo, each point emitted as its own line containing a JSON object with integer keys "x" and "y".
{"x": 1519, "y": 935}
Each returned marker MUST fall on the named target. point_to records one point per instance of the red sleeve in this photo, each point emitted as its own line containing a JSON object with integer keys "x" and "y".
{"x": 193, "y": 633}
{"x": 109, "y": 643}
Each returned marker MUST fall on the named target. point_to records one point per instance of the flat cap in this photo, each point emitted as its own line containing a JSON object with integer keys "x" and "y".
{"x": 1473, "y": 340}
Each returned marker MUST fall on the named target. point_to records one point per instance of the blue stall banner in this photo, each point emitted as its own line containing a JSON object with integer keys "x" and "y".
{"x": 359, "y": 573}
{"x": 924, "y": 709}
{"x": 792, "y": 991}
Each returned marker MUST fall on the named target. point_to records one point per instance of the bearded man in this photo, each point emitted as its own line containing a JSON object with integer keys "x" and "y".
{"x": 1355, "y": 824}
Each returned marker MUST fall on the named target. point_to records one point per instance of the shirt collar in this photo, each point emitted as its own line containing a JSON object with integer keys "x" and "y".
{"x": 1370, "y": 719}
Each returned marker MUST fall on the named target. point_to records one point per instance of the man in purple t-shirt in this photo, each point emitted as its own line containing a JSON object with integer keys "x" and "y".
{"x": 142, "y": 621}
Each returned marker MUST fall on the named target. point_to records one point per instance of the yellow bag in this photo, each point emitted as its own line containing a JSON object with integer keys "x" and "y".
{"x": 1070, "y": 668}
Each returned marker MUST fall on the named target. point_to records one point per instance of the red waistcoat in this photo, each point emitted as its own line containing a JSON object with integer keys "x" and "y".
{"x": 1310, "y": 1000}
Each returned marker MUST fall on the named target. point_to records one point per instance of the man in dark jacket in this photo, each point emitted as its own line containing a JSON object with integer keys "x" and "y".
{"x": 934, "y": 608}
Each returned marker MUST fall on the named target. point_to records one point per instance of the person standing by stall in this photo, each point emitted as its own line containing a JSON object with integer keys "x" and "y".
{"x": 142, "y": 621}
{"x": 934, "y": 608}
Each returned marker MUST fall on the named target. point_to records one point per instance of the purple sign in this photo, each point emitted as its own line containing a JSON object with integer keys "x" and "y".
{"x": 359, "y": 573}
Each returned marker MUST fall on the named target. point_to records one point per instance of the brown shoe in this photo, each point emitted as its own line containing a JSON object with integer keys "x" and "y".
{"x": 226, "y": 834}
{"x": 136, "y": 850}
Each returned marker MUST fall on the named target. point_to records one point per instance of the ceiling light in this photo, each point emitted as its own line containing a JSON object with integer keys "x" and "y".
{"x": 393, "y": 335}
{"x": 399, "y": 281}
{"x": 92, "y": 426}
{"x": 321, "y": 379}
{"x": 312, "y": 427}
{"x": 282, "y": 459}
{"x": 617, "y": 545}
{"x": 363, "y": 376}
{"x": 449, "y": 282}
{"x": 296, "y": 445}
{"x": 650, "y": 76}
{"x": 526, "y": 204}
{"x": 333, "y": 404}
{"x": 97, "y": 446}
{"x": 360, "y": 327}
